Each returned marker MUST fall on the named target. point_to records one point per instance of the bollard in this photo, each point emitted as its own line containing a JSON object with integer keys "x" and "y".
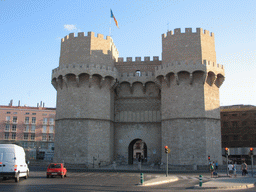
{"x": 141, "y": 178}
{"x": 200, "y": 180}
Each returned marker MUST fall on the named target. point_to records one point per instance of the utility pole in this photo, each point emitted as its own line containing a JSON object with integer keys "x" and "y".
{"x": 166, "y": 150}
{"x": 227, "y": 153}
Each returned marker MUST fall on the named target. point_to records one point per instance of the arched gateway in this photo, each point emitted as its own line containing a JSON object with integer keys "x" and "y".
{"x": 137, "y": 151}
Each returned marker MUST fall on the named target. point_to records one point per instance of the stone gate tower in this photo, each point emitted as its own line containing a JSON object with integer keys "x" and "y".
{"x": 190, "y": 79}
{"x": 110, "y": 109}
{"x": 85, "y": 98}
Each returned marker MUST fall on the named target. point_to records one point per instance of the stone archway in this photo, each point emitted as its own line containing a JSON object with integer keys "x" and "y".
{"x": 137, "y": 150}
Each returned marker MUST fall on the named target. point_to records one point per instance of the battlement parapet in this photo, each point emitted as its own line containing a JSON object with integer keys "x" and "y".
{"x": 188, "y": 31}
{"x": 81, "y": 35}
{"x": 189, "y": 66}
{"x": 142, "y": 77}
{"x": 137, "y": 59}
{"x": 91, "y": 69}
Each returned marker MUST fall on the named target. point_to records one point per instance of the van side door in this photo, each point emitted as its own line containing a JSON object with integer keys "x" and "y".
{"x": 1, "y": 161}
{"x": 9, "y": 162}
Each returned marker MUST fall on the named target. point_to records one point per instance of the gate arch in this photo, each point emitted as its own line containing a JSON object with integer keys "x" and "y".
{"x": 137, "y": 151}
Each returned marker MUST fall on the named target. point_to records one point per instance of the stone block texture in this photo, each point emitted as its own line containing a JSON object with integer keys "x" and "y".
{"x": 105, "y": 104}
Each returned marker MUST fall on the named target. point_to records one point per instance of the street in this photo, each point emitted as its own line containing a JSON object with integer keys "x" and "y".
{"x": 100, "y": 181}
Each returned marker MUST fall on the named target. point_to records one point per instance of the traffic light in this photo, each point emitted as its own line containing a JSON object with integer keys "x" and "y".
{"x": 226, "y": 151}
{"x": 209, "y": 158}
{"x": 166, "y": 149}
{"x": 251, "y": 151}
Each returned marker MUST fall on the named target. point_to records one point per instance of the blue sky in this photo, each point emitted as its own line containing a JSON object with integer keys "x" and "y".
{"x": 31, "y": 31}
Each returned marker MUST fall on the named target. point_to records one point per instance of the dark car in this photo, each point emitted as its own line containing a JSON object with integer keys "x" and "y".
{"x": 56, "y": 169}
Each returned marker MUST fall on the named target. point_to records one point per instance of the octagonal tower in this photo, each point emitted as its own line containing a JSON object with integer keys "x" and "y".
{"x": 84, "y": 82}
{"x": 190, "y": 79}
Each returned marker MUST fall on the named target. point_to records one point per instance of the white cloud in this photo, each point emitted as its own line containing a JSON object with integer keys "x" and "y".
{"x": 70, "y": 27}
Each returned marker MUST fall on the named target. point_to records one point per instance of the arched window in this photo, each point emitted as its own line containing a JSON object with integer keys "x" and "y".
{"x": 138, "y": 73}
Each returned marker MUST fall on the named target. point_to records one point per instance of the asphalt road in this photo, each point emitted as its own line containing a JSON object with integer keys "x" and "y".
{"x": 98, "y": 181}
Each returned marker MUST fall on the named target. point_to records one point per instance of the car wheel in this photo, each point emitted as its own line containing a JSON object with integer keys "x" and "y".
{"x": 65, "y": 175}
{"x": 27, "y": 175}
{"x": 17, "y": 179}
{"x": 51, "y": 176}
{"x": 62, "y": 176}
{"x": 47, "y": 176}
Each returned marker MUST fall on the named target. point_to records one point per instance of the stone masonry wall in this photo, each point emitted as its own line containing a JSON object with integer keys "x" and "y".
{"x": 79, "y": 140}
{"x": 150, "y": 133}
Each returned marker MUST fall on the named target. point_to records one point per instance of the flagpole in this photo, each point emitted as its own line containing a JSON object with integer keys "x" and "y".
{"x": 110, "y": 26}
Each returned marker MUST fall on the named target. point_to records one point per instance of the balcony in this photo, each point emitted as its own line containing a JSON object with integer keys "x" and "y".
{"x": 33, "y": 123}
{"x": 51, "y": 123}
{"x": 14, "y": 122}
{"x": 45, "y": 123}
{"x": 7, "y": 121}
{"x": 26, "y": 122}
{"x": 6, "y": 130}
{"x": 14, "y": 130}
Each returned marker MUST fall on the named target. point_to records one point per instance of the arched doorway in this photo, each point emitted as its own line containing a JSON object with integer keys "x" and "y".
{"x": 137, "y": 151}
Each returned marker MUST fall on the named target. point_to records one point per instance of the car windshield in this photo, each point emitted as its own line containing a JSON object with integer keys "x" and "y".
{"x": 55, "y": 166}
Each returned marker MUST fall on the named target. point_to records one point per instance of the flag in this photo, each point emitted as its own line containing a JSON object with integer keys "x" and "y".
{"x": 112, "y": 16}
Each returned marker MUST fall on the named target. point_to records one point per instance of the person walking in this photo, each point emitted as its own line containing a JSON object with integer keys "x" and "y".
{"x": 211, "y": 169}
{"x": 234, "y": 169}
{"x": 216, "y": 166}
{"x": 230, "y": 169}
{"x": 244, "y": 169}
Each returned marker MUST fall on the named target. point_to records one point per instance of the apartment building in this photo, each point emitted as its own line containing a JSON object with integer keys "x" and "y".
{"x": 238, "y": 130}
{"x": 33, "y": 128}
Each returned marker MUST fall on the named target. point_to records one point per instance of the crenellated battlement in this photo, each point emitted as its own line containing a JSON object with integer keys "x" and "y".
{"x": 137, "y": 59}
{"x": 90, "y": 69}
{"x": 81, "y": 35}
{"x": 90, "y": 34}
{"x": 188, "y": 31}
{"x": 189, "y": 66}
{"x": 88, "y": 49}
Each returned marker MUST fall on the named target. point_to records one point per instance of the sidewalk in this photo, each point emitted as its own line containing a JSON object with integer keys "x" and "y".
{"x": 160, "y": 180}
{"x": 228, "y": 183}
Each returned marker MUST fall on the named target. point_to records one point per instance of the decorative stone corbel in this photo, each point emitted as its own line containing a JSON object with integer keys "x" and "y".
{"x": 90, "y": 81}
{"x": 158, "y": 83}
{"x": 167, "y": 81}
{"x": 118, "y": 89}
{"x": 113, "y": 84}
{"x": 176, "y": 78}
{"x": 77, "y": 80}
{"x": 65, "y": 80}
{"x": 102, "y": 81}
{"x": 58, "y": 83}
{"x": 131, "y": 89}
{"x": 144, "y": 88}
{"x": 204, "y": 77}
{"x": 190, "y": 78}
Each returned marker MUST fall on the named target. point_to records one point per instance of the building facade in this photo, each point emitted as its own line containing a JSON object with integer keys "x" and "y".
{"x": 238, "y": 130}
{"x": 107, "y": 107}
{"x": 33, "y": 128}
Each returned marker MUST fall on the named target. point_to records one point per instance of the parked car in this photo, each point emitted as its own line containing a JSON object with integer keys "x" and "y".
{"x": 56, "y": 169}
{"x": 12, "y": 162}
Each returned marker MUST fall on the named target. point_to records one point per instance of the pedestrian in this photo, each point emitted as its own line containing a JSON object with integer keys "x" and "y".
{"x": 213, "y": 164}
{"x": 114, "y": 165}
{"x": 230, "y": 169}
{"x": 234, "y": 169}
{"x": 216, "y": 166}
{"x": 211, "y": 169}
{"x": 244, "y": 169}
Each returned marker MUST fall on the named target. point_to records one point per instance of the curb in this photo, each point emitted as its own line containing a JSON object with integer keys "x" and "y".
{"x": 157, "y": 181}
{"x": 246, "y": 186}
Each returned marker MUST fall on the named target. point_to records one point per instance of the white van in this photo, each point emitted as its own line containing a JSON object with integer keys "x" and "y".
{"x": 12, "y": 162}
